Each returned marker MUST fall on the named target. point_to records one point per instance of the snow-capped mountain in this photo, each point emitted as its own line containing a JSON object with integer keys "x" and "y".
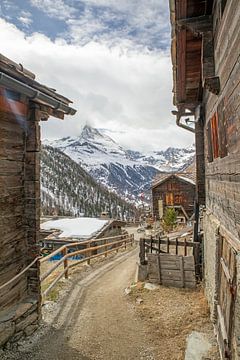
{"x": 127, "y": 172}
{"x": 67, "y": 189}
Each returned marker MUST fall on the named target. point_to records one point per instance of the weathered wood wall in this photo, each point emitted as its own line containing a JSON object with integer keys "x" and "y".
{"x": 172, "y": 270}
{"x": 19, "y": 216}
{"x": 180, "y": 189}
{"x": 223, "y": 173}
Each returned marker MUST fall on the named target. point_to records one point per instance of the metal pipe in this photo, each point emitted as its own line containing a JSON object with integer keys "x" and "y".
{"x": 186, "y": 127}
{"x": 34, "y": 94}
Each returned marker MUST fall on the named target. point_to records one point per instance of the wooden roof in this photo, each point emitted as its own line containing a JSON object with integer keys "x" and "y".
{"x": 186, "y": 53}
{"x": 26, "y": 77}
{"x": 184, "y": 176}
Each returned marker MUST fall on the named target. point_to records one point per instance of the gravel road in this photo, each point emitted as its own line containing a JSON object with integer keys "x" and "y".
{"x": 95, "y": 320}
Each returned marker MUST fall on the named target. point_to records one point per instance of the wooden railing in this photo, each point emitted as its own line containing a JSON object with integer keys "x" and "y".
{"x": 107, "y": 245}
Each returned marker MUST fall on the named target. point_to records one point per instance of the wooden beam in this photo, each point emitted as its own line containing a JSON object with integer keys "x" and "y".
{"x": 197, "y": 25}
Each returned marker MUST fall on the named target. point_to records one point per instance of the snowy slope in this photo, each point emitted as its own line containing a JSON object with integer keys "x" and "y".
{"x": 67, "y": 189}
{"x": 127, "y": 172}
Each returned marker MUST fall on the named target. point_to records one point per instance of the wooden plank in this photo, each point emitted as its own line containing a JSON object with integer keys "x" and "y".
{"x": 178, "y": 284}
{"x": 153, "y": 268}
{"x": 226, "y": 271}
{"x": 189, "y": 275}
{"x": 182, "y": 270}
{"x": 159, "y": 269}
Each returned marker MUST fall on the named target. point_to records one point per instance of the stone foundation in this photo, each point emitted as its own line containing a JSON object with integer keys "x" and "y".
{"x": 211, "y": 260}
{"x": 21, "y": 321}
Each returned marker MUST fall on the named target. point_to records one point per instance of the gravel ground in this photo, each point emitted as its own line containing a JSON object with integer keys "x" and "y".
{"x": 94, "y": 319}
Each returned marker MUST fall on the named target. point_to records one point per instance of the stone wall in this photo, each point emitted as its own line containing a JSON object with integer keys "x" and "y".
{"x": 211, "y": 260}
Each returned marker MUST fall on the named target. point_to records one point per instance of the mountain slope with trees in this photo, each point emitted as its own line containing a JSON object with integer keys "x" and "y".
{"x": 67, "y": 189}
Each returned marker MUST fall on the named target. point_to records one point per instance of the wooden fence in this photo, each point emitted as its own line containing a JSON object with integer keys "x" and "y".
{"x": 171, "y": 261}
{"x": 91, "y": 251}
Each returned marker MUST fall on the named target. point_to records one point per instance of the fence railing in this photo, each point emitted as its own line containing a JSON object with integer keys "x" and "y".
{"x": 107, "y": 245}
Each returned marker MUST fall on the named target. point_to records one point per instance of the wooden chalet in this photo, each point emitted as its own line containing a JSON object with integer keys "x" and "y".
{"x": 176, "y": 191}
{"x": 23, "y": 104}
{"x": 206, "y": 69}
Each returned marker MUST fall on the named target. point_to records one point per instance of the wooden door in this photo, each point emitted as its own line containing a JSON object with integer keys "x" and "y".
{"x": 226, "y": 297}
{"x": 169, "y": 199}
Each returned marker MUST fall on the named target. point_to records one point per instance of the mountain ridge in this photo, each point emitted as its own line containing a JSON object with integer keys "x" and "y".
{"x": 125, "y": 171}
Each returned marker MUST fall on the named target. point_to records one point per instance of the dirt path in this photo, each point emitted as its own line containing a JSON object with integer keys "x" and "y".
{"x": 96, "y": 321}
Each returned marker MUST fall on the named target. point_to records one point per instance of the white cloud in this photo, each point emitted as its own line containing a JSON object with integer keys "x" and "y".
{"x": 111, "y": 88}
{"x": 25, "y": 18}
{"x": 54, "y": 8}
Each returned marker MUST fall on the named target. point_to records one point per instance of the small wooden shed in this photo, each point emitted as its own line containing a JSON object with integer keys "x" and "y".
{"x": 23, "y": 104}
{"x": 174, "y": 190}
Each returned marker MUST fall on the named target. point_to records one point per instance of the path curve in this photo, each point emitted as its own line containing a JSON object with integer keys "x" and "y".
{"x": 97, "y": 321}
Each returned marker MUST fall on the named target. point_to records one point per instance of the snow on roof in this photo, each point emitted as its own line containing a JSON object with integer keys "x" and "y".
{"x": 187, "y": 179}
{"x": 77, "y": 227}
{"x": 163, "y": 177}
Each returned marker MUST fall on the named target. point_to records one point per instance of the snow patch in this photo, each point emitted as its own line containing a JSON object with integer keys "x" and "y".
{"x": 77, "y": 228}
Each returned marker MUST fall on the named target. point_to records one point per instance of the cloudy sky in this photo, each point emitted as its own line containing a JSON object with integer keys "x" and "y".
{"x": 110, "y": 57}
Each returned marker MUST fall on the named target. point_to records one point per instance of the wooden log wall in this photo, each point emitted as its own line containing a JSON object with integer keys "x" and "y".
{"x": 223, "y": 173}
{"x": 12, "y": 227}
{"x": 19, "y": 218}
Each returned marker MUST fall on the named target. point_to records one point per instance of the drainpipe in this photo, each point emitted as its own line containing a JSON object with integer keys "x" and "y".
{"x": 34, "y": 94}
{"x": 178, "y": 118}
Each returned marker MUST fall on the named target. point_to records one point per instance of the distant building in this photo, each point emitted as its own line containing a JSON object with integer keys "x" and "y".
{"x": 176, "y": 191}
{"x": 56, "y": 233}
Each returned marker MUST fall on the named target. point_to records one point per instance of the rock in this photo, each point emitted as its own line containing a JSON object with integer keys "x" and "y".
{"x": 21, "y": 325}
{"x": 127, "y": 291}
{"x": 139, "y": 301}
{"x": 150, "y": 286}
{"x": 17, "y": 337}
{"x": 7, "y": 330}
{"x": 198, "y": 346}
{"x": 29, "y": 330}
{"x": 22, "y": 309}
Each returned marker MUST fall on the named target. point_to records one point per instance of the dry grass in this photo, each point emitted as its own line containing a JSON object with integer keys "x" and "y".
{"x": 171, "y": 315}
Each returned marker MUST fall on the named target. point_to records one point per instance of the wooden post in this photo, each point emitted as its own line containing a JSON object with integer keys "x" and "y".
{"x": 151, "y": 245}
{"x": 132, "y": 239}
{"x": 125, "y": 244}
{"x": 185, "y": 247}
{"x": 182, "y": 270}
{"x": 65, "y": 263}
{"x": 196, "y": 254}
{"x": 168, "y": 245}
{"x": 142, "y": 251}
{"x": 176, "y": 246}
{"x": 159, "y": 269}
{"x": 88, "y": 254}
{"x": 105, "y": 249}
{"x": 159, "y": 245}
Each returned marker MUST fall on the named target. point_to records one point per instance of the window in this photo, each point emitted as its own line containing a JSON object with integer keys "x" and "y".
{"x": 222, "y": 130}
{"x": 169, "y": 199}
{"x": 215, "y": 143}
{"x": 178, "y": 199}
{"x": 209, "y": 138}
